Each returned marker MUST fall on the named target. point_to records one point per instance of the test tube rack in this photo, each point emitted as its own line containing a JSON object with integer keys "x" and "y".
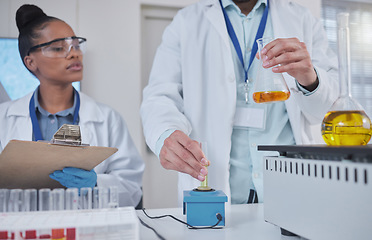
{"x": 25, "y": 200}
{"x": 116, "y": 223}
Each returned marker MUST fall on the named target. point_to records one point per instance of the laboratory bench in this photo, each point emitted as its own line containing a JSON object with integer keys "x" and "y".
{"x": 245, "y": 221}
{"x": 318, "y": 192}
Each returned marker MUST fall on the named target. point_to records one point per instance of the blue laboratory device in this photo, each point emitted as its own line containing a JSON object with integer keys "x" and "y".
{"x": 202, "y": 207}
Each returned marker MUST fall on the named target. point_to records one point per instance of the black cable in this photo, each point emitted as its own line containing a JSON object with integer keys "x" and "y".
{"x": 218, "y": 215}
{"x": 157, "y": 234}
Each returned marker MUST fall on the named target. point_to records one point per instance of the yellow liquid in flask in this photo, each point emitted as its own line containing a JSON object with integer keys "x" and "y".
{"x": 346, "y": 128}
{"x": 270, "y": 96}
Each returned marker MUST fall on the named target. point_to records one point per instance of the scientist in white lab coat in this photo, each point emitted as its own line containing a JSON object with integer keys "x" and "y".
{"x": 51, "y": 51}
{"x": 196, "y": 91}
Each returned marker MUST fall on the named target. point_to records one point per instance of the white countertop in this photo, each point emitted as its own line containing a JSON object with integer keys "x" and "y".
{"x": 244, "y": 221}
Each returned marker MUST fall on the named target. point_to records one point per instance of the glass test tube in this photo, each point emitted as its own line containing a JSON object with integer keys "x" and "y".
{"x": 15, "y": 200}
{"x": 58, "y": 199}
{"x": 4, "y": 196}
{"x": 72, "y": 199}
{"x": 86, "y": 198}
{"x": 30, "y": 204}
{"x": 103, "y": 197}
{"x": 204, "y": 148}
{"x": 30, "y": 200}
{"x": 114, "y": 197}
{"x": 45, "y": 199}
{"x": 45, "y": 204}
{"x": 204, "y": 185}
{"x": 100, "y": 197}
{"x": 95, "y": 197}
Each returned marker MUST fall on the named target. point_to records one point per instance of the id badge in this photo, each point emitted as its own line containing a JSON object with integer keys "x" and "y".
{"x": 252, "y": 116}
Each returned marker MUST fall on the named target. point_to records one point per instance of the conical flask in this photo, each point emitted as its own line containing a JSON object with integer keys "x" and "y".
{"x": 269, "y": 86}
{"x": 346, "y": 123}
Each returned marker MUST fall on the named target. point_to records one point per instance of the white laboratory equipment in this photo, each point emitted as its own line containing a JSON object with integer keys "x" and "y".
{"x": 319, "y": 192}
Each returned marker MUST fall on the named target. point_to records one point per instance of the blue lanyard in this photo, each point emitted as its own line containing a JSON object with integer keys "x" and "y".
{"x": 234, "y": 39}
{"x": 35, "y": 123}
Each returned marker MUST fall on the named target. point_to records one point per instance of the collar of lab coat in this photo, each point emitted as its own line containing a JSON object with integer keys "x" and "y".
{"x": 215, "y": 15}
{"x": 89, "y": 110}
{"x": 90, "y": 113}
{"x": 216, "y": 2}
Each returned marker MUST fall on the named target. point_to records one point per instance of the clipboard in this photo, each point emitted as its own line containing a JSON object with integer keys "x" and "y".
{"x": 27, "y": 164}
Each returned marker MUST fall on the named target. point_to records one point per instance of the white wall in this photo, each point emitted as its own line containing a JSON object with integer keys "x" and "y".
{"x": 112, "y": 63}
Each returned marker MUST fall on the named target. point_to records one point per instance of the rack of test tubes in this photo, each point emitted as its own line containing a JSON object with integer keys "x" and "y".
{"x": 45, "y": 199}
{"x": 65, "y": 214}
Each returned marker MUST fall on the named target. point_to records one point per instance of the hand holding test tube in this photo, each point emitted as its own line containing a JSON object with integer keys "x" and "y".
{"x": 204, "y": 185}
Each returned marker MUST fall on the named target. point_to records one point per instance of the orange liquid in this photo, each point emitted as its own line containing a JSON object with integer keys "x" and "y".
{"x": 58, "y": 234}
{"x": 270, "y": 96}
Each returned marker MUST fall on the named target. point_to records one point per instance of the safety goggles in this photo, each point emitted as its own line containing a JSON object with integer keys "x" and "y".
{"x": 61, "y": 47}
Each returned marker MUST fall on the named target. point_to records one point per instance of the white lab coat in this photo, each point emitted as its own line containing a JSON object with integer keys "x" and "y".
{"x": 100, "y": 126}
{"x": 192, "y": 85}
{"x": 3, "y": 94}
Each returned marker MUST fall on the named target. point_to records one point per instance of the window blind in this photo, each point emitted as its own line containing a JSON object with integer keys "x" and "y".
{"x": 360, "y": 24}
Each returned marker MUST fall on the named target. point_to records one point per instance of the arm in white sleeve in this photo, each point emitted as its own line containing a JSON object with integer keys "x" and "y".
{"x": 162, "y": 107}
{"x": 316, "y": 104}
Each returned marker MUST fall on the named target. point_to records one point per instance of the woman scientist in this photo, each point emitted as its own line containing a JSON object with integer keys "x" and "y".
{"x": 51, "y": 51}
